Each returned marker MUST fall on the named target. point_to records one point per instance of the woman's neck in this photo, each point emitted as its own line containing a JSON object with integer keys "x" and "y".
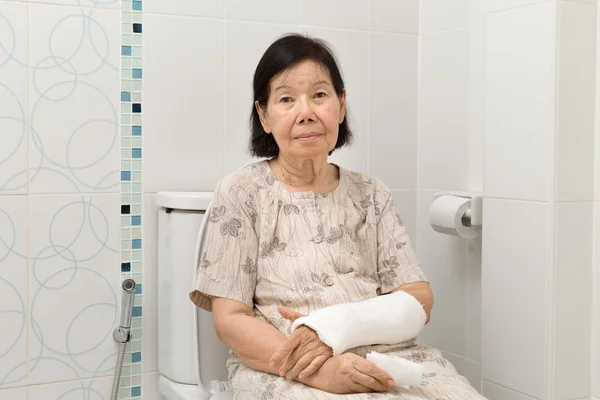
{"x": 306, "y": 175}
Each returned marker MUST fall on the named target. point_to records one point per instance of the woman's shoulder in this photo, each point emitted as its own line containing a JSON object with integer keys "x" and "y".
{"x": 366, "y": 184}
{"x": 244, "y": 178}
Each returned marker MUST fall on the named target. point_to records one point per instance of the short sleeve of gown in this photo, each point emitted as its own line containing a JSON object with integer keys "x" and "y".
{"x": 229, "y": 252}
{"x": 397, "y": 262}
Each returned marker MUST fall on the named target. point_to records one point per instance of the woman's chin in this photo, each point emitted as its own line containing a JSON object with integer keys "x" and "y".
{"x": 311, "y": 150}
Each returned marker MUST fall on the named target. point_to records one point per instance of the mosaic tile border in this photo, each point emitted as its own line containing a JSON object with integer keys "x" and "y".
{"x": 131, "y": 185}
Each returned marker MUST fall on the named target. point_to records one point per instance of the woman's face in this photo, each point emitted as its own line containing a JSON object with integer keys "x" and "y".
{"x": 303, "y": 112}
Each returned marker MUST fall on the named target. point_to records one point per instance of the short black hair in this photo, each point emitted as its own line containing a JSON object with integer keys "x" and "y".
{"x": 283, "y": 54}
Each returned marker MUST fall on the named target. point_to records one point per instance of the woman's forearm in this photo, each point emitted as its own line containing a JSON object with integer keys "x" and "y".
{"x": 253, "y": 340}
{"x": 256, "y": 343}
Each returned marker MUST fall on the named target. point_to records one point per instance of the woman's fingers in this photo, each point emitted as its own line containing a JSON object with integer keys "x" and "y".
{"x": 314, "y": 366}
{"x": 288, "y": 314}
{"x": 308, "y": 350}
{"x": 303, "y": 355}
{"x": 285, "y": 350}
{"x": 306, "y": 366}
{"x": 293, "y": 367}
{"x": 368, "y": 381}
{"x": 371, "y": 376}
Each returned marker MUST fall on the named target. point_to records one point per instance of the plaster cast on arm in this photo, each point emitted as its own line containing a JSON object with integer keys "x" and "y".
{"x": 388, "y": 319}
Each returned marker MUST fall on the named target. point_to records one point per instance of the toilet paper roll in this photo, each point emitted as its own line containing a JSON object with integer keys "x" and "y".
{"x": 446, "y": 213}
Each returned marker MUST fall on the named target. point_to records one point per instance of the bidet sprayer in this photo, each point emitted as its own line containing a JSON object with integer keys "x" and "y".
{"x": 123, "y": 332}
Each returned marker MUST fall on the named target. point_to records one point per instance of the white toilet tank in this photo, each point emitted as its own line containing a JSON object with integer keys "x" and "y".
{"x": 188, "y": 348}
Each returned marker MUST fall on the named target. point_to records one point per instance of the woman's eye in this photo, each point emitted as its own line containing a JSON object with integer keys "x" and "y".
{"x": 285, "y": 99}
{"x": 320, "y": 95}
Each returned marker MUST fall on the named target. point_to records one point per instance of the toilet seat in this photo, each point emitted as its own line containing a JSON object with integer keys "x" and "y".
{"x": 179, "y": 391}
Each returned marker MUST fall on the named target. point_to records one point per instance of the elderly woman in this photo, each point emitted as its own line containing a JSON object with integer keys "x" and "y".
{"x": 306, "y": 266}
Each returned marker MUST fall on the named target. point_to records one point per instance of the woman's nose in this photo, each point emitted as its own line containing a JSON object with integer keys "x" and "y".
{"x": 305, "y": 111}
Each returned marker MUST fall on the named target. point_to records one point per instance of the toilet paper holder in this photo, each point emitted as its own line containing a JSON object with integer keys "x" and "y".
{"x": 473, "y": 217}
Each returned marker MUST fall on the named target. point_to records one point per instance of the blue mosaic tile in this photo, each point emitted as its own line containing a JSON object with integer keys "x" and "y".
{"x": 136, "y": 220}
{"x": 136, "y": 73}
{"x": 137, "y": 28}
{"x": 125, "y": 175}
{"x": 125, "y": 96}
{"x": 137, "y": 312}
{"x": 136, "y": 244}
{"x": 136, "y": 108}
{"x": 126, "y": 267}
{"x": 136, "y": 130}
{"x": 136, "y": 357}
{"x": 138, "y": 289}
{"x": 136, "y": 153}
{"x": 136, "y": 5}
{"x": 125, "y": 50}
{"x": 136, "y": 391}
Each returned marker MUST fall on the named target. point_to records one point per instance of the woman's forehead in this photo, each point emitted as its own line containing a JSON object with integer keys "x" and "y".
{"x": 302, "y": 74}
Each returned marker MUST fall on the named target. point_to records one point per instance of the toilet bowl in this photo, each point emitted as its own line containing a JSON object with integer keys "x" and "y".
{"x": 191, "y": 359}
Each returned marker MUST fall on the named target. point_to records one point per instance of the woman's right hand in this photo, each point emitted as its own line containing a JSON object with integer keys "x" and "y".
{"x": 349, "y": 373}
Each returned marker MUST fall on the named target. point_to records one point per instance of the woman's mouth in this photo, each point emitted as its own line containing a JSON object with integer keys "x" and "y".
{"x": 308, "y": 137}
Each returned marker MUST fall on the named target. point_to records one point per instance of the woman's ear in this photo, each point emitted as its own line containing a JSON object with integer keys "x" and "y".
{"x": 263, "y": 119}
{"x": 342, "y": 107}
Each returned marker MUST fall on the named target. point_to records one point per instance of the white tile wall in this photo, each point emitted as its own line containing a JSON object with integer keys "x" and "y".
{"x": 445, "y": 269}
{"x": 184, "y": 122}
{"x": 573, "y": 274}
{"x": 13, "y": 290}
{"x": 89, "y": 389}
{"x": 279, "y": 11}
{"x": 502, "y": 5}
{"x": 493, "y": 391}
{"x": 196, "y": 8}
{"x": 73, "y": 286}
{"x": 59, "y": 239}
{"x": 582, "y": 1}
{"x": 150, "y": 387}
{"x": 515, "y": 268}
{"x": 478, "y": 13}
{"x": 13, "y": 394}
{"x": 439, "y": 16}
{"x": 576, "y": 78}
{"x": 393, "y": 78}
{"x": 596, "y": 306}
{"x": 115, "y": 4}
{"x": 520, "y": 102}
{"x": 473, "y": 272}
{"x": 395, "y": 16}
{"x": 476, "y": 116}
{"x": 74, "y": 151}
{"x": 349, "y": 14}
{"x": 444, "y": 111}
{"x": 150, "y": 304}
{"x": 13, "y": 97}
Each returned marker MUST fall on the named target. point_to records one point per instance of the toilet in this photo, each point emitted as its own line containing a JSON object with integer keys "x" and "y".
{"x": 191, "y": 359}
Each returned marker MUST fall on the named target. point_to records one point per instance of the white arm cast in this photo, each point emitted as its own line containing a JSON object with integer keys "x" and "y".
{"x": 388, "y": 319}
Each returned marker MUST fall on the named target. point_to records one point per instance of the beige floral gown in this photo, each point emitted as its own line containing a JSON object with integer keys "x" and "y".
{"x": 266, "y": 246}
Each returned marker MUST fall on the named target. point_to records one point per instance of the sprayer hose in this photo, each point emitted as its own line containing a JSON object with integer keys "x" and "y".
{"x": 118, "y": 369}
